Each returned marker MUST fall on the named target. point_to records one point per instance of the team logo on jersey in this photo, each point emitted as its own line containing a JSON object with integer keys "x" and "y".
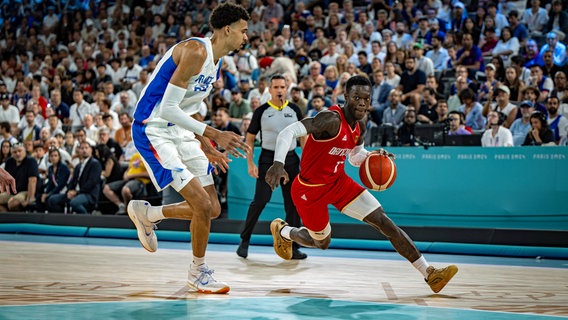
{"x": 356, "y": 138}
{"x": 304, "y": 197}
{"x": 288, "y": 115}
{"x": 202, "y": 83}
{"x": 344, "y": 138}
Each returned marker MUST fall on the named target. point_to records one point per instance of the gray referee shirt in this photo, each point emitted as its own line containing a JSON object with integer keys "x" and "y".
{"x": 270, "y": 121}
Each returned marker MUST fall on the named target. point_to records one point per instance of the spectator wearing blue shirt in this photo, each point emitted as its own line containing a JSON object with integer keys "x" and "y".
{"x": 470, "y": 55}
{"x": 438, "y": 54}
{"x": 519, "y": 30}
{"x": 472, "y": 110}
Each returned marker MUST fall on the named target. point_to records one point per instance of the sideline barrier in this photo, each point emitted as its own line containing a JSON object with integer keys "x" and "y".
{"x": 338, "y": 243}
{"x": 474, "y": 187}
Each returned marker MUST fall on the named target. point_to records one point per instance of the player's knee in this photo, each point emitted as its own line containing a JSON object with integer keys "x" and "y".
{"x": 321, "y": 238}
{"x": 106, "y": 189}
{"x": 201, "y": 207}
{"x": 215, "y": 209}
{"x": 323, "y": 244}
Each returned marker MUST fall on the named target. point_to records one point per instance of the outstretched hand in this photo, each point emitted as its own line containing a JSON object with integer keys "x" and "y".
{"x": 275, "y": 174}
{"x": 7, "y": 182}
{"x": 217, "y": 159}
{"x": 231, "y": 142}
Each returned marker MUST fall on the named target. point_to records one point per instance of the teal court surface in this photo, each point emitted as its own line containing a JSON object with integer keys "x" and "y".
{"x": 54, "y": 277}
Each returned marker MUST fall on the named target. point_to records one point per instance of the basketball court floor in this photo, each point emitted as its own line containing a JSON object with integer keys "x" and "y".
{"x": 51, "y": 277}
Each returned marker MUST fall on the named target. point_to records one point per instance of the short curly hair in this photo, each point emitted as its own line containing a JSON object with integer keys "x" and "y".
{"x": 357, "y": 81}
{"x": 226, "y": 14}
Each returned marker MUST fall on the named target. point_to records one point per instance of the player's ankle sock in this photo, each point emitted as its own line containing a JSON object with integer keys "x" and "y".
{"x": 285, "y": 232}
{"x": 197, "y": 261}
{"x": 155, "y": 213}
{"x": 421, "y": 265}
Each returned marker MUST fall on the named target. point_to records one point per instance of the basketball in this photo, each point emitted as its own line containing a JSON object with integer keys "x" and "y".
{"x": 377, "y": 172}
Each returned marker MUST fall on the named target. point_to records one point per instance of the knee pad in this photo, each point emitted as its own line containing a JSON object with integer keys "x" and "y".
{"x": 362, "y": 206}
{"x": 320, "y": 235}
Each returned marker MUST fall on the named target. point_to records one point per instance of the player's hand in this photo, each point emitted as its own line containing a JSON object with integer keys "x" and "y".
{"x": 7, "y": 182}
{"x": 253, "y": 170}
{"x": 218, "y": 159}
{"x": 382, "y": 152}
{"x": 231, "y": 142}
{"x": 275, "y": 174}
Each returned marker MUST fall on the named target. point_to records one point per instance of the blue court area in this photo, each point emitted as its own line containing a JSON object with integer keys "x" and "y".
{"x": 252, "y": 308}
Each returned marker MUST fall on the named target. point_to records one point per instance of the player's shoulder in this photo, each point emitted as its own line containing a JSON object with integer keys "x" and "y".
{"x": 193, "y": 48}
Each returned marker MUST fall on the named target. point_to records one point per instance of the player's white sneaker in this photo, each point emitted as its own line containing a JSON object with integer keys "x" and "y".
{"x": 201, "y": 279}
{"x": 137, "y": 211}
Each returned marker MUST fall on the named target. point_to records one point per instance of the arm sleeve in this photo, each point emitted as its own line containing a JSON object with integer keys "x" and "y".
{"x": 285, "y": 138}
{"x": 171, "y": 111}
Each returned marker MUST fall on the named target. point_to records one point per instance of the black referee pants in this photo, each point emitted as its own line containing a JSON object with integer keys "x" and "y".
{"x": 263, "y": 192}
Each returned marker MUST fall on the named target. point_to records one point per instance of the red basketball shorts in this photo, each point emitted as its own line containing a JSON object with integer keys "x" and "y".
{"x": 311, "y": 200}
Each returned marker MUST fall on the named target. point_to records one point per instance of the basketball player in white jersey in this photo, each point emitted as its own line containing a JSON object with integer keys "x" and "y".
{"x": 176, "y": 148}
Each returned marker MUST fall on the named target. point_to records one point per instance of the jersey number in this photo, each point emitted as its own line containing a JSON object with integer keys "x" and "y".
{"x": 202, "y": 88}
{"x": 337, "y": 165}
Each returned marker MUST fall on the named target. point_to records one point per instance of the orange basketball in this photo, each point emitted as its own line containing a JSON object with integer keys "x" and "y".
{"x": 377, "y": 172}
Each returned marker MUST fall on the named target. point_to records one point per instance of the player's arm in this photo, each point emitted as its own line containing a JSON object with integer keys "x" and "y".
{"x": 323, "y": 125}
{"x": 189, "y": 58}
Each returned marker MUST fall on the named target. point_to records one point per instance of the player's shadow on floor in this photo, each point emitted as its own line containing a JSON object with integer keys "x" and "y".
{"x": 342, "y": 310}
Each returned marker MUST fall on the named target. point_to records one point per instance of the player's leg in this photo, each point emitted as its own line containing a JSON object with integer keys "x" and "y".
{"x": 368, "y": 209}
{"x": 311, "y": 204}
{"x": 200, "y": 276}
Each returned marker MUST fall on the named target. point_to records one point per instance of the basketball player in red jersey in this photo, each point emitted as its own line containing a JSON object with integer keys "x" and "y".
{"x": 333, "y": 136}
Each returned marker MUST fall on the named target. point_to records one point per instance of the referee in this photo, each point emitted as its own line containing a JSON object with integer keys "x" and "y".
{"x": 268, "y": 120}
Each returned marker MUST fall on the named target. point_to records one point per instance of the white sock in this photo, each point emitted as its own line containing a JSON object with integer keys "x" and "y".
{"x": 154, "y": 213}
{"x": 198, "y": 261}
{"x": 285, "y": 232}
{"x": 421, "y": 265}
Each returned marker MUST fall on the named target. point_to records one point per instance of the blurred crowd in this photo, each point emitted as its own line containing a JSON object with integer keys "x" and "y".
{"x": 71, "y": 72}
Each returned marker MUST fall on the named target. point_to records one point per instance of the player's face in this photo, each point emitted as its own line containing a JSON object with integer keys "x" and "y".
{"x": 358, "y": 101}
{"x": 238, "y": 34}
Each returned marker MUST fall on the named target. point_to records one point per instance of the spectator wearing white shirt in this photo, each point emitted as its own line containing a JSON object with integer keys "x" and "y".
{"x": 78, "y": 110}
{"x": 115, "y": 72}
{"x": 496, "y": 135}
{"x": 507, "y": 46}
{"x": 131, "y": 71}
{"x": 8, "y": 112}
{"x": 535, "y": 18}
{"x": 422, "y": 63}
{"x": 330, "y": 58}
{"x": 376, "y": 52}
{"x": 500, "y": 20}
{"x": 261, "y": 91}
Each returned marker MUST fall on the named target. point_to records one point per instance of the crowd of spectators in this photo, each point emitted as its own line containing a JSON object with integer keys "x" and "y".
{"x": 71, "y": 72}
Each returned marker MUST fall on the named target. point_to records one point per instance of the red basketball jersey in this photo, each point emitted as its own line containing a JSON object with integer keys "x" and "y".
{"x": 323, "y": 160}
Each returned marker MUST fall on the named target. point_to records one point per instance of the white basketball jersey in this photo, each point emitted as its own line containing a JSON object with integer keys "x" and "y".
{"x": 200, "y": 85}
